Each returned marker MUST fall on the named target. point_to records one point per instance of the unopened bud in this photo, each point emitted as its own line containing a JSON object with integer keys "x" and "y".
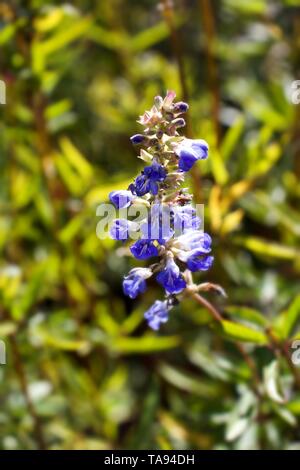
{"x": 154, "y": 140}
{"x": 138, "y": 139}
{"x": 158, "y": 101}
{"x": 181, "y": 107}
{"x": 179, "y": 122}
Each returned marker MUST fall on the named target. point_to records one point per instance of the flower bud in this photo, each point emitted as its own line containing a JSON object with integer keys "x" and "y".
{"x": 138, "y": 139}
{"x": 154, "y": 140}
{"x": 169, "y": 116}
{"x": 179, "y": 122}
{"x": 158, "y": 101}
{"x": 181, "y": 107}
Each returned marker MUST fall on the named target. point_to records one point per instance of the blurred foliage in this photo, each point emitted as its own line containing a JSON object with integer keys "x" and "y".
{"x": 83, "y": 371}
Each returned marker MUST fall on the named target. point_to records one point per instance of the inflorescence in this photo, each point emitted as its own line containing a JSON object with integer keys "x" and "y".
{"x": 171, "y": 230}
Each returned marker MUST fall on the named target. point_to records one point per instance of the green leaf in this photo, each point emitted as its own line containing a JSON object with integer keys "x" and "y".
{"x": 271, "y": 382}
{"x": 115, "y": 40}
{"x": 57, "y": 109}
{"x": 268, "y": 248}
{"x": 7, "y": 329}
{"x": 248, "y": 314}
{"x": 238, "y": 332}
{"x": 290, "y": 318}
{"x": 69, "y": 176}
{"x": 294, "y": 406}
{"x": 71, "y": 229}
{"x": 267, "y": 160}
{"x": 144, "y": 345}
{"x": 218, "y": 168}
{"x": 40, "y": 50}
{"x": 231, "y": 138}
{"x": 187, "y": 382}
{"x": 8, "y": 31}
{"x": 54, "y": 341}
{"x": 236, "y": 428}
{"x": 76, "y": 159}
{"x": 65, "y": 37}
{"x": 30, "y": 294}
{"x": 149, "y": 37}
{"x": 100, "y": 193}
{"x": 211, "y": 364}
{"x": 255, "y": 7}
{"x": 285, "y": 414}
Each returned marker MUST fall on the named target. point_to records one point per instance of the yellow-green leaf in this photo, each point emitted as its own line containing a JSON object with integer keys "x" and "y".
{"x": 238, "y": 332}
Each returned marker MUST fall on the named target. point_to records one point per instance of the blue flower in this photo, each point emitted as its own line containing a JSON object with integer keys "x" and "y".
{"x": 120, "y": 228}
{"x": 143, "y": 249}
{"x": 185, "y": 218}
{"x": 158, "y": 313}
{"x": 157, "y": 226}
{"x": 171, "y": 278}
{"x": 121, "y": 198}
{"x": 134, "y": 283}
{"x": 189, "y": 151}
{"x": 138, "y": 139}
{"x": 147, "y": 182}
{"x": 142, "y": 185}
{"x": 198, "y": 262}
{"x": 191, "y": 240}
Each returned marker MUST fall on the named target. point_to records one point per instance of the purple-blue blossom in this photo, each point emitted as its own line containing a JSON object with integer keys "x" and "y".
{"x": 192, "y": 240}
{"x": 120, "y": 228}
{"x": 171, "y": 278}
{"x": 169, "y": 229}
{"x": 147, "y": 182}
{"x": 135, "y": 282}
{"x": 181, "y": 107}
{"x": 158, "y": 224}
{"x": 199, "y": 262}
{"x": 185, "y": 218}
{"x": 138, "y": 139}
{"x": 121, "y": 199}
{"x": 144, "y": 249}
{"x": 189, "y": 151}
{"x": 158, "y": 313}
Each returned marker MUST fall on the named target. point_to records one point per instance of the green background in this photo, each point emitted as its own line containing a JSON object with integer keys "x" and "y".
{"x": 83, "y": 370}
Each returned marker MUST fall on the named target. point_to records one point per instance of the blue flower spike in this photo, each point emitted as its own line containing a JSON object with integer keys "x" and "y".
{"x": 170, "y": 231}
